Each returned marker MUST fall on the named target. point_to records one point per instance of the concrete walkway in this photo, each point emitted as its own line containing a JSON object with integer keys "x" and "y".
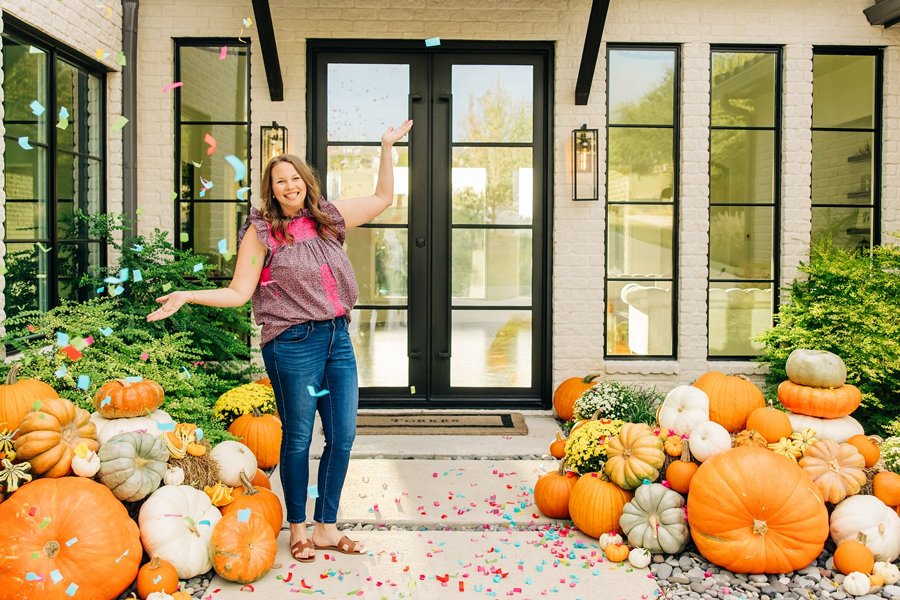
{"x": 526, "y": 556}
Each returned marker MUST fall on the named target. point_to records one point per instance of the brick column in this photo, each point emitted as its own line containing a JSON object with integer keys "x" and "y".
{"x": 890, "y": 180}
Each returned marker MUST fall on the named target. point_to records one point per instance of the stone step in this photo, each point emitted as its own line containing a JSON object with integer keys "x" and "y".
{"x": 407, "y": 564}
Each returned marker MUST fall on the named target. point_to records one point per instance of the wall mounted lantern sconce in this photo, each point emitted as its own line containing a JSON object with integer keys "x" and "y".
{"x": 274, "y": 142}
{"x": 585, "y": 172}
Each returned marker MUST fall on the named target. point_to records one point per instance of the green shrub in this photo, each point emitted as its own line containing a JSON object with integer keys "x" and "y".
{"x": 848, "y": 304}
{"x": 615, "y": 400}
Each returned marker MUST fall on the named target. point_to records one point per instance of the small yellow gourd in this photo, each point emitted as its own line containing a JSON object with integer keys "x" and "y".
{"x": 786, "y": 447}
{"x": 219, "y": 494}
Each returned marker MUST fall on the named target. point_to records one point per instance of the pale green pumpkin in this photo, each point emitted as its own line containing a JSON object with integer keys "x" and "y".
{"x": 655, "y": 519}
{"x": 133, "y": 464}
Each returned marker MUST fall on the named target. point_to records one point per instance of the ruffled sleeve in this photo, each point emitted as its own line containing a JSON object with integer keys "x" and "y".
{"x": 336, "y": 217}
{"x": 262, "y": 232}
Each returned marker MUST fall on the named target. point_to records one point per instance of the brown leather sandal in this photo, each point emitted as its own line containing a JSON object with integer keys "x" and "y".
{"x": 345, "y": 546}
{"x": 299, "y": 547}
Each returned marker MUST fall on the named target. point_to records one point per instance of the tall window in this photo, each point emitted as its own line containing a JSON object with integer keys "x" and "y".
{"x": 54, "y": 105}
{"x": 744, "y": 180}
{"x": 641, "y": 201}
{"x": 212, "y": 111}
{"x": 846, "y": 147}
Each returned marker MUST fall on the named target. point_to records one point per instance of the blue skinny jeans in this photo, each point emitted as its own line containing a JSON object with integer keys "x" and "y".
{"x": 317, "y": 354}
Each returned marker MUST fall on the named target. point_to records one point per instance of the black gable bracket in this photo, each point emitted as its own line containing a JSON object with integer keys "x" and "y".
{"x": 591, "y": 51}
{"x": 266, "y": 32}
{"x": 884, "y": 12}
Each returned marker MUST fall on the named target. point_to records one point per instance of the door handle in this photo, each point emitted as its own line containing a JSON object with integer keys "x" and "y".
{"x": 417, "y": 97}
{"x": 415, "y": 354}
{"x": 420, "y": 242}
{"x": 443, "y": 354}
{"x": 444, "y": 97}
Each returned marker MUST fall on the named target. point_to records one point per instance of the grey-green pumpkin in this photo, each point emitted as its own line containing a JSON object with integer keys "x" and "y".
{"x": 132, "y": 465}
{"x": 655, "y": 519}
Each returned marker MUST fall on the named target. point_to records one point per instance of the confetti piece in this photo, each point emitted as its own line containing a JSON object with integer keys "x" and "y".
{"x": 240, "y": 169}
{"x": 36, "y": 108}
{"x": 139, "y": 211}
{"x": 61, "y": 372}
{"x": 64, "y": 113}
{"x": 241, "y": 192}
{"x": 106, "y": 332}
{"x": 313, "y": 491}
{"x": 123, "y": 275}
{"x": 44, "y": 523}
{"x": 187, "y": 375}
{"x": 313, "y": 393}
{"x": 435, "y": 41}
{"x": 412, "y": 389}
{"x": 212, "y": 144}
{"x": 137, "y": 276}
{"x": 117, "y": 291}
{"x": 55, "y": 576}
{"x": 72, "y": 589}
{"x": 248, "y": 22}
{"x": 158, "y": 579}
{"x": 223, "y": 53}
{"x": 134, "y": 379}
{"x": 100, "y": 289}
{"x": 172, "y": 195}
{"x": 123, "y": 555}
{"x": 84, "y": 382}
{"x": 243, "y": 515}
{"x": 184, "y": 236}
{"x": 144, "y": 356}
{"x": 63, "y": 124}
{"x": 198, "y": 267}
{"x": 199, "y": 433}
{"x": 253, "y": 260}
{"x": 172, "y": 86}
{"x": 223, "y": 246}
{"x": 166, "y": 287}
{"x": 119, "y": 124}
{"x": 23, "y": 142}
{"x": 62, "y": 339}
{"x": 120, "y": 58}
{"x": 166, "y": 426}
{"x": 35, "y": 555}
{"x": 33, "y": 509}
{"x": 33, "y": 577}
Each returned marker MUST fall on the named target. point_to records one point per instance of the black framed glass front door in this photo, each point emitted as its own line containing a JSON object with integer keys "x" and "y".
{"x": 453, "y": 279}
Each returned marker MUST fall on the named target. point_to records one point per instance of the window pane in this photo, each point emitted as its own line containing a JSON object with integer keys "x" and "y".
{"x": 640, "y": 241}
{"x": 493, "y": 185}
{"x": 214, "y": 90}
{"x": 380, "y": 342}
{"x": 74, "y": 261}
{"x": 640, "y": 165}
{"x": 738, "y": 312}
{"x": 740, "y": 242}
{"x": 843, "y": 91}
{"x": 849, "y": 228}
{"x": 493, "y": 103}
{"x": 640, "y": 318}
{"x": 743, "y": 89}
{"x": 365, "y": 99}
{"x": 26, "y": 182}
{"x": 380, "y": 258}
{"x": 742, "y": 167}
{"x": 25, "y": 73}
{"x": 79, "y": 94}
{"x": 842, "y": 167}
{"x": 353, "y": 172}
{"x": 642, "y": 87}
{"x": 27, "y": 287}
{"x": 78, "y": 186}
{"x": 491, "y": 348}
{"x": 208, "y": 222}
{"x": 230, "y": 140}
{"x": 491, "y": 266}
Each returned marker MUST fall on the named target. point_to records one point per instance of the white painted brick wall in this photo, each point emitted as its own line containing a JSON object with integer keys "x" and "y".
{"x": 82, "y": 26}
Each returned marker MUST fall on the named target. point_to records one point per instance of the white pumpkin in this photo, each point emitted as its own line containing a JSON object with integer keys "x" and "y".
{"x": 159, "y": 596}
{"x": 708, "y": 439}
{"x": 869, "y": 515}
{"x": 107, "y": 428}
{"x": 610, "y": 538}
{"x": 176, "y": 523}
{"x": 888, "y": 571}
{"x": 86, "y": 466}
{"x": 683, "y": 409}
{"x": 856, "y": 584}
{"x": 840, "y": 430}
{"x": 174, "y": 476}
{"x": 655, "y": 520}
{"x": 639, "y": 557}
{"x": 232, "y": 458}
{"x": 816, "y": 368}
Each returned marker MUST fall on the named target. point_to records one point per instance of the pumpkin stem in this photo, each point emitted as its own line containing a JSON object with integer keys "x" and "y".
{"x": 590, "y": 378}
{"x": 876, "y": 439}
{"x": 13, "y": 373}
{"x": 562, "y": 467}
{"x": 256, "y": 412}
{"x": 760, "y": 527}
{"x": 154, "y": 564}
{"x": 193, "y": 529}
{"x": 249, "y": 490}
{"x": 771, "y": 406}
{"x": 881, "y": 529}
{"x": 595, "y": 416}
{"x": 558, "y": 436}
{"x": 740, "y": 376}
{"x": 51, "y": 548}
{"x": 686, "y": 451}
{"x": 654, "y": 523}
{"x": 139, "y": 462}
{"x": 861, "y": 538}
{"x": 626, "y": 454}
{"x": 124, "y": 382}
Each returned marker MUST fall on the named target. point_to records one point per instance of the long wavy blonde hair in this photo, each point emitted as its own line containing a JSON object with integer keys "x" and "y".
{"x": 271, "y": 209}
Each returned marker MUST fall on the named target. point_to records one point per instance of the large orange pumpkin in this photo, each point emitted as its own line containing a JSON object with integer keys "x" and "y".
{"x": 826, "y": 403}
{"x": 771, "y": 423}
{"x": 886, "y": 487}
{"x": 596, "y": 505}
{"x": 568, "y": 392}
{"x": 17, "y": 397}
{"x": 553, "y": 491}
{"x": 259, "y": 500}
{"x": 157, "y": 576}
{"x": 262, "y": 434}
{"x": 48, "y": 436}
{"x": 242, "y": 551}
{"x": 72, "y": 525}
{"x": 260, "y": 480}
{"x": 731, "y": 399}
{"x": 128, "y": 399}
{"x": 752, "y": 511}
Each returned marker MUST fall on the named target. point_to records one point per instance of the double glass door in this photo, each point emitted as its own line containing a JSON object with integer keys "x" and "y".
{"x": 451, "y": 277}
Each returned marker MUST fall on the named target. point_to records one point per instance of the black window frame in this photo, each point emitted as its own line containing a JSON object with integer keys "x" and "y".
{"x": 676, "y": 201}
{"x": 876, "y": 130}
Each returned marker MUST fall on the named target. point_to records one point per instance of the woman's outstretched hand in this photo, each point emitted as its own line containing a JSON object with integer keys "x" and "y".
{"x": 393, "y": 135}
{"x": 170, "y": 305}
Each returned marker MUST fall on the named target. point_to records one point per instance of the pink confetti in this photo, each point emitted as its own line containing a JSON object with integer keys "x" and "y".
{"x": 144, "y": 356}
{"x": 172, "y": 86}
{"x": 223, "y": 53}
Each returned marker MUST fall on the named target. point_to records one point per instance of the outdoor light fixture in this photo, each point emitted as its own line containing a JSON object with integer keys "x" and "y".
{"x": 274, "y": 142}
{"x": 584, "y": 173}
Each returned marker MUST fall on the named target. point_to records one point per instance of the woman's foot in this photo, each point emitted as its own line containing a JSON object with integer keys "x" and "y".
{"x": 302, "y": 548}
{"x": 327, "y": 536}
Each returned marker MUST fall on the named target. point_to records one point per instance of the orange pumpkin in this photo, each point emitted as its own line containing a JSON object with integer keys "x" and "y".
{"x": 731, "y": 398}
{"x": 264, "y": 381}
{"x": 48, "y": 436}
{"x": 17, "y": 397}
{"x": 826, "y": 403}
{"x": 672, "y": 445}
{"x": 103, "y": 562}
{"x": 128, "y": 399}
{"x": 836, "y": 469}
{"x": 259, "y": 500}
{"x": 568, "y": 392}
{"x": 157, "y": 576}
{"x": 854, "y": 555}
{"x": 886, "y": 487}
{"x": 242, "y": 551}
{"x": 680, "y": 473}
{"x": 558, "y": 446}
{"x": 553, "y": 490}
{"x": 876, "y": 580}
{"x": 771, "y": 423}
{"x": 867, "y": 447}
{"x": 616, "y": 552}
{"x": 596, "y": 505}
{"x": 260, "y": 480}
{"x": 732, "y": 510}
{"x": 262, "y": 434}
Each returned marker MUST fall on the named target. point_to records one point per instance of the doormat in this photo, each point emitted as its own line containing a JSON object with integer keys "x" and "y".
{"x": 458, "y": 423}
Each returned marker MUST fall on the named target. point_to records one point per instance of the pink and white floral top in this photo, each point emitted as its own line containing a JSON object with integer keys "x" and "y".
{"x": 310, "y": 279}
